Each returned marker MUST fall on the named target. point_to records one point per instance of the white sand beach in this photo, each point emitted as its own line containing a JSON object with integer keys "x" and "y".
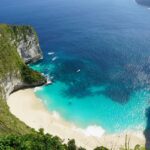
{"x": 29, "y": 109}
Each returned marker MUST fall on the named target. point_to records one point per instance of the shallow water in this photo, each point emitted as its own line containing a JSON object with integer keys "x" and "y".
{"x": 100, "y": 65}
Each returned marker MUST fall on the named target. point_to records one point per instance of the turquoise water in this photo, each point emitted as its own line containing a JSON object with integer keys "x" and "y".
{"x": 100, "y": 66}
{"x": 98, "y": 109}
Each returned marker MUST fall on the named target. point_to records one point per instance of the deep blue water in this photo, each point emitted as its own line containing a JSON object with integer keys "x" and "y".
{"x": 102, "y": 48}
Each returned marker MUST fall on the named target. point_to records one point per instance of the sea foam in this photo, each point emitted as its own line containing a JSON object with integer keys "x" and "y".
{"x": 92, "y": 130}
{"x": 38, "y": 89}
{"x": 56, "y": 115}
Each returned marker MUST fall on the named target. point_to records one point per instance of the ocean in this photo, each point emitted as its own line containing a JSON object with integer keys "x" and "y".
{"x": 97, "y": 54}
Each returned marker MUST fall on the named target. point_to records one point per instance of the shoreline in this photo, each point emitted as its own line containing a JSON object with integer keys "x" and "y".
{"x": 28, "y": 108}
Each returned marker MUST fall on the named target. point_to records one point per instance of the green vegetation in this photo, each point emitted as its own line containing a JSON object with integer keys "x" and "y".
{"x": 9, "y": 124}
{"x": 9, "y": 58}
{"x": 41, "y": 141}
{"x": 14, "y": 134}
{"x": 34, "y": 141}
{"x": 30, "y": 76}
{"x": 17, "y": 32}
{"x": 12, "y": 65}
{"x": 10, "y": 61}
{"x": 23, "y": 31}
{"x": 72, "y": 145}
{"x": 101, "y": 148}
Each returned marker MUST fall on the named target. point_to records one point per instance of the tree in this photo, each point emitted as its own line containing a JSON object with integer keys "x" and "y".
{"x": 72, "y": 145}
{"x": 101, "y": 148}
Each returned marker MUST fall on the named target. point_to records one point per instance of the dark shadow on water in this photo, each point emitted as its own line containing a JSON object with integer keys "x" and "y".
{"x": 120, "y": 77}
{"x": 120, "y": 81}
{"x": 118, "y": 93}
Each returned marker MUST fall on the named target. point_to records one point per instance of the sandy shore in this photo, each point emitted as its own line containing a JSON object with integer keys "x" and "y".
{"x": 29, "y": 109}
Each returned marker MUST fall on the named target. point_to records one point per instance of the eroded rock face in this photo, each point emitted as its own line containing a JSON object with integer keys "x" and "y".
{"x": 21, "y": 39}
{"x": 9, "y": 84}
{"x": 13, "y": 82}
{"x": 27, "y": 43}
{"x": 29, "y": 49}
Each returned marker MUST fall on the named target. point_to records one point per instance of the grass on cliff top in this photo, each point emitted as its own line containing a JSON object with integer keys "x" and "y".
{"x": 12, "y": 65}
{"x": 17, "y": 32}
{"x": 10, "y": 61}
{"x": 31, "y": 77}
{"x": 9, "y": 58}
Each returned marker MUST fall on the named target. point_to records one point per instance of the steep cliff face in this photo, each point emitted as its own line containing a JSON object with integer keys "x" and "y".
{"x": 18, "y": 46}
{"x": 27, "y": 43}
{"x": 21, "y": 39}
{"x": 25, "y": 40}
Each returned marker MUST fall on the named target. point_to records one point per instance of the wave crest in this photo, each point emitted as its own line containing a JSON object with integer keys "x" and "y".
{"x": 38, "y": 89}
{"x": 93, "y": 130}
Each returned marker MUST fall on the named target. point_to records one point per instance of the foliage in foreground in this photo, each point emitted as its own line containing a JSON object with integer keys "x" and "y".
{"x": 41, "y": 141}
{"x": 37, "y": 141}
{"x": 13, "y": 66}
{"x": 34, "y": 141}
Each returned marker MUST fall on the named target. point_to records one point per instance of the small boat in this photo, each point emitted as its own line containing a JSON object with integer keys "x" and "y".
{"x": 54, "y": 58}
{"x": 51, "y": 53}
{"x": 78, "y": 70}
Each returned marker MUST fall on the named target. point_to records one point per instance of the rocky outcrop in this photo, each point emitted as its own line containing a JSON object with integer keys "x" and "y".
{"x": 18, "y": 45}
{"x": 27, "y": 43}
{"x": 13, "y": 82}
{"x": 8, "y": 84}
{"x": 29, "y": 49}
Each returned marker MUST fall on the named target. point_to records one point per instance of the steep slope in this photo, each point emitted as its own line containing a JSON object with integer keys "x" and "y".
{"x": 18, "y": 45}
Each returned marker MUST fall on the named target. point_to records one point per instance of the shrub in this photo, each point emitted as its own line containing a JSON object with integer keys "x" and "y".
{"x": 101, "y": 148}
{"x": 30, "y": 76}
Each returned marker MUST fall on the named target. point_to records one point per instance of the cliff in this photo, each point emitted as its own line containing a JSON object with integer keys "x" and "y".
{"x": 18, "y": 45}
{"x": 27, "y": 43}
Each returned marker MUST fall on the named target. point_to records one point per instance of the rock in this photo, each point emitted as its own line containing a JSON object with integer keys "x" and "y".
{"x": 18, "y": 45}
{"x": 27, "y": 43}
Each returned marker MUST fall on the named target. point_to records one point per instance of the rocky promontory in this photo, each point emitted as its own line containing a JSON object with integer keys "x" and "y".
{"x": 19, "y": 45}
